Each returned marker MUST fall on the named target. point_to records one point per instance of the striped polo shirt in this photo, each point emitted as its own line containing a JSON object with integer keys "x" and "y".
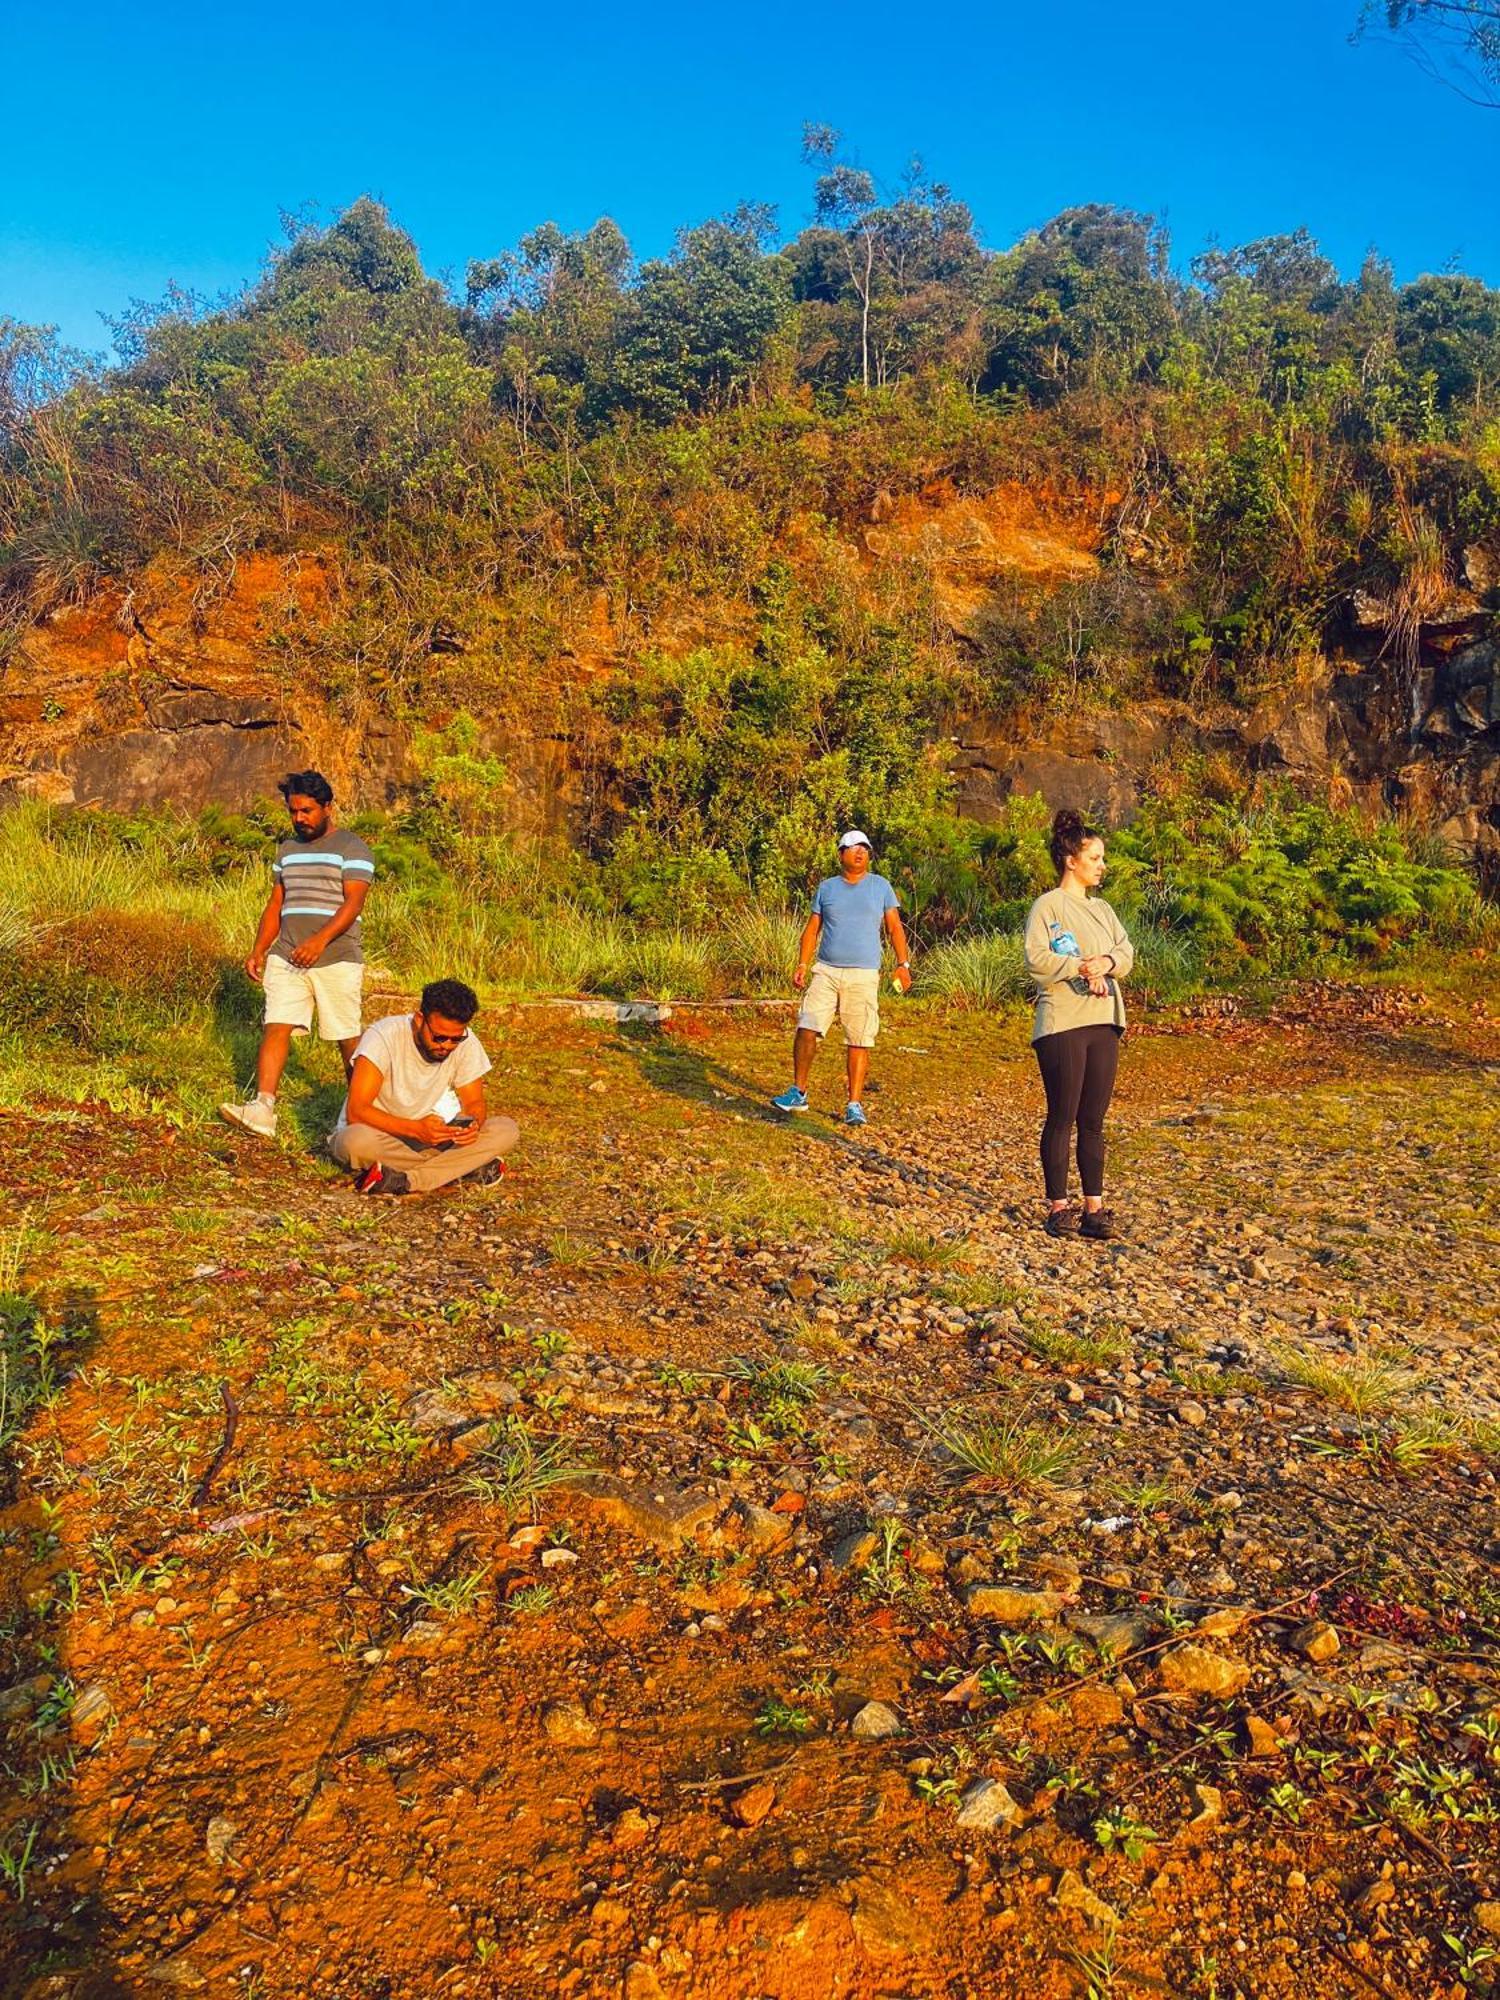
{"x": 312, "y": 874}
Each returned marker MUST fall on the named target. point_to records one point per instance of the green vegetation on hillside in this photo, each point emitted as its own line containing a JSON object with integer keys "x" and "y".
{"x": 121, "y": 936}
{"x": 679, "y": 456}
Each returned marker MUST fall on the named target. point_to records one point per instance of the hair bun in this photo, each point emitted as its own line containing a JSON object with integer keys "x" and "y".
{"x": 1070, "y": 833}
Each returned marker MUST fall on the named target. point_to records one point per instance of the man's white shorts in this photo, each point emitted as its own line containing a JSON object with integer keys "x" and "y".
{"x": 334, "y": 990}
{"x": 852, "y": 992}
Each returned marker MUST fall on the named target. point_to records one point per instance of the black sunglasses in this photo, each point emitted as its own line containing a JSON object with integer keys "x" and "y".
{"x": 445, "y": 1041}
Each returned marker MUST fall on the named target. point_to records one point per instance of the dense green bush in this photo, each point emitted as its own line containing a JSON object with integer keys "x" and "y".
{"x": 1281, "y": 885}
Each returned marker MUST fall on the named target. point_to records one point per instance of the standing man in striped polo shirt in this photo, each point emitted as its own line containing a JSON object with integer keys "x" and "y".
{"x": 307, "y": 950}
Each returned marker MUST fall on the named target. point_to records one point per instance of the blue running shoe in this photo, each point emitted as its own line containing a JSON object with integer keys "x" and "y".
{"x": 791, "y": 1100}
{"x": 854, "y": 1114}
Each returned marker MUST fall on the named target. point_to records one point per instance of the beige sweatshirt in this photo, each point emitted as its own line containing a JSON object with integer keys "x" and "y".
{"x": 1084, "y": 927}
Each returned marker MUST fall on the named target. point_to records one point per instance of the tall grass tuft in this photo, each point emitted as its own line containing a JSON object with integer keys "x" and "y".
{"x": 1005, "y": 1448}
{"x": 988, "y": 969}
{"x": 983, "y": 970}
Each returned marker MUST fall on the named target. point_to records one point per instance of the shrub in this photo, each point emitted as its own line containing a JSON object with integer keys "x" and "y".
{"x": 156, "y": 960}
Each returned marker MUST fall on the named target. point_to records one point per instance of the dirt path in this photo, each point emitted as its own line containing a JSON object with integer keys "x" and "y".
{"x": 742, "y": 1559}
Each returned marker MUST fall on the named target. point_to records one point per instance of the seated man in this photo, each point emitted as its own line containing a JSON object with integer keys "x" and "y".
{"x": 414, "y": 1117}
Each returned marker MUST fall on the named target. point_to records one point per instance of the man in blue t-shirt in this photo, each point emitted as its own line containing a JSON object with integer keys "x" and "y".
{"x": 852, "y": 913}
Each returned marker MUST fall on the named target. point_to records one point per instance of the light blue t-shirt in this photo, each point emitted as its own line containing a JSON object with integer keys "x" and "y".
{"x": 853, "y": 916}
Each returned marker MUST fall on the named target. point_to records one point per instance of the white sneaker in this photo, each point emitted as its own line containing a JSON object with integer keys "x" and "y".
{"x": 252, "y": 1117}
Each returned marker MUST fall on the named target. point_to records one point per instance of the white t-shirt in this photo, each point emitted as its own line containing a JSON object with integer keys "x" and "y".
{"x": 411, "y": 1086}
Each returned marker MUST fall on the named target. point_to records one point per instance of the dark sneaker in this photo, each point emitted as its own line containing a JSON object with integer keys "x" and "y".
{"x": 1098, "y": 1223}
{"x": 382, "y": 1180}
{"x": 488, "y": 1174}
{"x": 1062, "y": 1222}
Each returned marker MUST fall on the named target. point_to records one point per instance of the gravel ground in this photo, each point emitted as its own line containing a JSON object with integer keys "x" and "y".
{"x": 742, "y": 1557}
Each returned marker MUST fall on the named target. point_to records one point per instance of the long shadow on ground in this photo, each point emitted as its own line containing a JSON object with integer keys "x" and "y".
{"x": 686, "y": 1072}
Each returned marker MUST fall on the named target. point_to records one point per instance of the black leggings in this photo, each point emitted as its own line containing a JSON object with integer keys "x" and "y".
{"x": 1078, "y": 1073}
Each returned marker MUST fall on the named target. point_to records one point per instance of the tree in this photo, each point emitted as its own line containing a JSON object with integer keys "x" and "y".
{"x": 547, "y": 315}
{"x": 1086, "y": 298}
{"x": 35, "y": 370}
{"x": 361, "y": 251}
{"x": 1456, "y": 42}
{"x": 1269, "y": 306}
{"x": 1448, "y": 334}
{"x": 911, "y": 262}
{"x": 703, "y": 319}
{"x": 845, "y": 201}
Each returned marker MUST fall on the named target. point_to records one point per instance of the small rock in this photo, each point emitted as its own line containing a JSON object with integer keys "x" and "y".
{"x": 884, "y": 1924}
{"x": 875, "y": 1720}
{"x": 1222, "y": 1624}
{"x": 1316, "y": 1640}
{"x": 1210, "y": 1803}
{"x": 1007, "y": 1605}
{"x": 569, "y": 1723}
{"x": 855, "y": 1551}
{"x": 220, "y": 1838}
{"x": 640, "y": 1982}
{"x": 1115, "y": 1633}
{"x": 1073, "y": 1893}
{"x": 23, "y": 1697}
{"x": 559, "y": 1558}
{"x": 986, "y": 1803}
{"x": 760, "y": 1530}
{"x": 1193, "y": 1669}
{"x": 1487, "y": 1916}
{"x": 431, "y": 1411}
{"x": 1375, "y": 1897}
{"x": 1192, "y": 1414}
{"x": 752, "y": 1805}
{"x": 1095, "y": 1707}
{"x": 1261, "y": 1739}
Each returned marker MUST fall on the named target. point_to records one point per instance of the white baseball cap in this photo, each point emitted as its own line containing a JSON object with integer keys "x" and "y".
{"x": 854, "y": 838}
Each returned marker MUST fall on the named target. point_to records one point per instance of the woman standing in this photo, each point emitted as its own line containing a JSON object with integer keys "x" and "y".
{"x": 1077, "y": 952}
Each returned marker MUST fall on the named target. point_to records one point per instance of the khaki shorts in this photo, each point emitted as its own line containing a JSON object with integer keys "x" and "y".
{"x": 852, "y": 992}
{"x": 334, "y": 990}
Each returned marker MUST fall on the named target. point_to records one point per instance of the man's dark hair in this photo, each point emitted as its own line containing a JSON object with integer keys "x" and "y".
{"x": 307, "y": 785}
{"x": 450, "y": 998}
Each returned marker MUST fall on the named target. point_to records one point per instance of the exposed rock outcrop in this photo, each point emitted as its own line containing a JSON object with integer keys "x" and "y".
{"x": 171, "y": 693}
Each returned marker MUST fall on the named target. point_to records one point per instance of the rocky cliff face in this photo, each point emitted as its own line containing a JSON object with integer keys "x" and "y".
{"x": 162, "y": 695}
{"x": 1402, "y": 716}
{"x": 133, "y": 698}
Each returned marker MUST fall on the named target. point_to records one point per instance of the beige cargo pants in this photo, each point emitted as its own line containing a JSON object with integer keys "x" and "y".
{"x": 426, "y": 1167}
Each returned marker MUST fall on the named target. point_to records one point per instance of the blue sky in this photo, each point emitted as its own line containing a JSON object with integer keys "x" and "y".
{"x": 159, "y": 143}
